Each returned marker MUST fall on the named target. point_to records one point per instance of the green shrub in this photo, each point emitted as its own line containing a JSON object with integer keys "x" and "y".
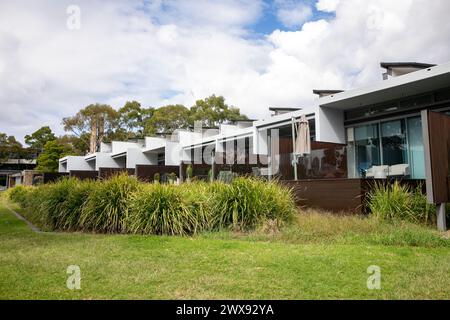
{"x": 106, "y": 208}
{"x": 210, "y": 175}
{"x": 279, "y": 201}
{"x": 245, "y": 203}
{"x": 53, "y": 199}
{"x": 156, "y": 177}
{"x": 160, "y": 209}
{"x": 19, "y": 194}
{"x": 33, "y": 205}
{"x": 226, "y": 176}
{"x": 122, "y": 204}
{"x": 422, "y": 211}
{"x": 399, "y": 202}
{"x": 198, "y": 198}
{"x": 172, "y": 177}
{"x": 189, "y": 172}
{"x": 70, "y": 210}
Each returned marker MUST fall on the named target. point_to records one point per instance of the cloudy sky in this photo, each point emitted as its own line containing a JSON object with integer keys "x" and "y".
{"x": 256, "y": 53}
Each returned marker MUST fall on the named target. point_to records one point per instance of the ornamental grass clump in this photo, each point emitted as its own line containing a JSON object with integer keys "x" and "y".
{"x": 36, "y": 208}
{"x": 279, "y": 202}
{"x": 121, "y": 204}
{"x": 399, "y": 202}
{"x": 69, "y": 215}
{"x": 198, "y": 197}
{"x": 107, "y": 207}
{"x": 423, "y": 212}
{"x": 160, "y": 209}
{"x": 19, "y": 194}
{"x": 53, "y": 199}
{"x": 246, "y": 203}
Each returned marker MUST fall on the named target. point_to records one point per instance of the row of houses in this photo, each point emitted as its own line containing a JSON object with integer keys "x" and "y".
{"x": 374, "y": 132}
{"x": 365, "y": 132}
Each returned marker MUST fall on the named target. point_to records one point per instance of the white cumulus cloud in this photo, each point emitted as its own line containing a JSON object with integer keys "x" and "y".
{"x": 160, "y": 52}
{"x": 292, "y": 13}
{"x": 327, "y": 5}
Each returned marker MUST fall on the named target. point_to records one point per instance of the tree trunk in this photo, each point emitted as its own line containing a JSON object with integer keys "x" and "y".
{"x": 93, "y": 139}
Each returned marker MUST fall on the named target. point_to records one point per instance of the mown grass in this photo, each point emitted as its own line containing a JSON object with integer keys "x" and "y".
{"x": 316, "y": 257}
{"x": 319, "y": 227}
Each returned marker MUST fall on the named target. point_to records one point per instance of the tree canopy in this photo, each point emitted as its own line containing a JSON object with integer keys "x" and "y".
{"x": 213, "y": 111}
{"x": 210, "y": 111}
{"x": 167, "y": 119}
{"x": 98, "y": 123}
{"x": 132, "y": 120}
{"x": 99, "y": 120}
{"x": 10, "y": 148}
{"x": 48, "y": 160}
{"x": 39, "y": 138}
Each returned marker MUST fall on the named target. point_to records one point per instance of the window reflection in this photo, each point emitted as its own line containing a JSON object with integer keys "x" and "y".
{"x": 393, "y": 142}
{"x": 390, "y": 148}
{"x": 367, "y": 148}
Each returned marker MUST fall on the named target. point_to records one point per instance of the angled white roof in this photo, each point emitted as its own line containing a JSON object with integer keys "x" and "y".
{"x": 394, "y": 88}
{"x": 91, "y": 156}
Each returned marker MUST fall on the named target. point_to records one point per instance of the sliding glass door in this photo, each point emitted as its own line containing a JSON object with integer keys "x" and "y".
{"x": 393, "y": 141}
{"x": 396, "y": 144}
{"x": 416, "y": 151}
{"x": 367, "y": 148}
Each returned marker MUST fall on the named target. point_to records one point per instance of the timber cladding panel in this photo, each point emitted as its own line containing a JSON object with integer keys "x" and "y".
{"x": 53, "y": 176}
{"x": 340, "y": 195}
{"x": 84, "y": 175}
{"x": 333, "y": 195}
{"x": 201, "y": 170}
{"x": 105, "y": 173}
{"x": 147, "y": 172}
{"x": 436, "y": 136}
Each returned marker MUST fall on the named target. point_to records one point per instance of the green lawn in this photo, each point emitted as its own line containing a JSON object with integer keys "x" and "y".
{"x": 317, "y": 257}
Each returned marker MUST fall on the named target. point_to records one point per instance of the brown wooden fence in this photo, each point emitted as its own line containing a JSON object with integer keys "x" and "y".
{"x": 48, "y": 177}
{"x": 105, "y": 173}
{"x": 147, "y": 172}
{"x": 335, "y": 195}
{"x": 84, "y": 175}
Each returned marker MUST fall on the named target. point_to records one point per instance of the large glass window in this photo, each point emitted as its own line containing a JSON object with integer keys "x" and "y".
{"x": 367, "y": 148}
{"x": 397, "y": 145}
{"x": 393, "y": 141}
{"x": 416, "y": 151}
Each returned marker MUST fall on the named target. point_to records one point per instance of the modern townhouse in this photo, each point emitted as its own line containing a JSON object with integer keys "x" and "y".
{"x": 356, "y": 135}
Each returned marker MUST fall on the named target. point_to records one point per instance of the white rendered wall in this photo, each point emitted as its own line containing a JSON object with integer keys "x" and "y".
{"x": 228, "y": 128}
{"x": 62, "y": 166}
{"x": 136, "y": 156}
{"x": 187, "y": 138}
{"x": 173, "y": 154}
{"x": 260, "y": 145}
{"x": 154, "y": 143}
{"x": 75, "y": 163}
{"x": 186, "y": 155}
{"x": 330, "y": 125}
{"x": 104, "y": 160}
{"x": 105, "y": 147}
{"x": 210, "y": 132}
{"x": 121, "y": 146}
